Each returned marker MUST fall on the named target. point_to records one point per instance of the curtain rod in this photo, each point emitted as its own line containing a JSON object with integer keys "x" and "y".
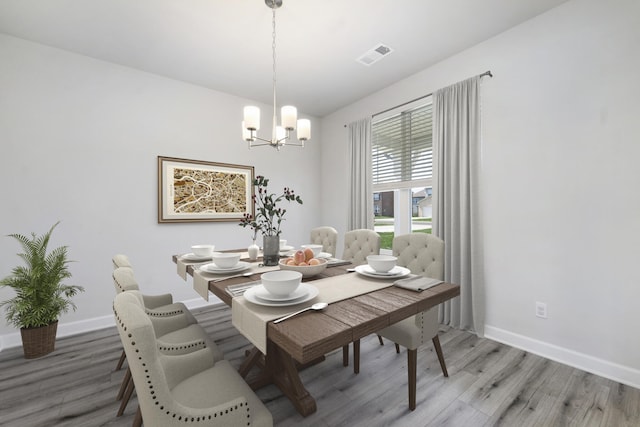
{"x": 486, "y": 73}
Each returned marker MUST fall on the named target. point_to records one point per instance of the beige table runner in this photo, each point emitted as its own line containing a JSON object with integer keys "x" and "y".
{"x": 182, "y": 266}
{"x": 201, "y": 278}
{"x": 251, "y": 319}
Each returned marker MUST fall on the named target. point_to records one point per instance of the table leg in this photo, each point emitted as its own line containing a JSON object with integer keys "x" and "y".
{"x": 285, "y": 376}
{"x": 250, "y": 361}
{"x": 280, "y": 369}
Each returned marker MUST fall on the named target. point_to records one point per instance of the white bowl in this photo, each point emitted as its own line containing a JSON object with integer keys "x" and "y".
{"x": 202, "y": 250}
{"x": 225, "y": 259}
{"x": 306, "y": 270}
{"x": 281, "y": 282}
{"x": 315, "y": 248}
{"x": 381, "y": 263}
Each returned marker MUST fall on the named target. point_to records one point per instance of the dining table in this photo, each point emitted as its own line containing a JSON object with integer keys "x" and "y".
{"x": 359, "y": 305}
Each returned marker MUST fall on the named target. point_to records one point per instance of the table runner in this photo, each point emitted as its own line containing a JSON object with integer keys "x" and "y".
{"x": 201, "y": 278}
{"x": 182, "y": 266}
{"x": 251, "y": 319}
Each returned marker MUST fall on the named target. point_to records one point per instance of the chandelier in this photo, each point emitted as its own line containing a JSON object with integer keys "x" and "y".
{"x": 288, "y": 115}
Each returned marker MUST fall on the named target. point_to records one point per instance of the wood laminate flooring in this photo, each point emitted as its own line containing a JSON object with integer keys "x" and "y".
{"x": 490, "y": 384}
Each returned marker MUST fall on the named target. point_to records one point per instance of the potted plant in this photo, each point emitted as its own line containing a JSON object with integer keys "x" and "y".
{"x": 41, "y": 297}
{"x": 268, "y": 217}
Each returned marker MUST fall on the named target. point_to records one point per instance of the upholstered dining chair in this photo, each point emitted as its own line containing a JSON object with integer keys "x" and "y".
{"x": 191, "y": 388}
{"x": 176, "y": 333}
{"x": 173, "y": 324}
{"x": 327, "y": 237}
{"x": 423, "y": 254}
{"x": 357, "y": 245}
{"x": 360, "y": 243}
{"x": 121, "y": 260}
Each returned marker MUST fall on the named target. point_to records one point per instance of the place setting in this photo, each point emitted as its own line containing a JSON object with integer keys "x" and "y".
{"x": 199, "y": 253}
{"x": 382, "y": 267}
{"x": 280, "y": 288}
{"x": 225, "y": 263}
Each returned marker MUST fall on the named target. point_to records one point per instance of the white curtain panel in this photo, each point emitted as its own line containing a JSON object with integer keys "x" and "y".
{"x": 360, "y": 176}
{"x": 456, "y": 214}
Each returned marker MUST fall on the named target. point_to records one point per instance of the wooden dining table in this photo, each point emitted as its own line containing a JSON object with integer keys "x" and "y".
{"x": 304, "y": 339}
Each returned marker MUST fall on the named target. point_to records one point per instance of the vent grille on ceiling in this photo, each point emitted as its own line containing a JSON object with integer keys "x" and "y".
{"x": 374, "y": 54}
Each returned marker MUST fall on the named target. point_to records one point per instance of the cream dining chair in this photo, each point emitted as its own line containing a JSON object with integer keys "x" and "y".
{"x": 174, "y": 325}
{"x": 357, "y": 245}
{"x": 360, "y": 243}
{"x": 423, "y": 254}
{"x": 327, "y": 237}
{"x": 191, "y": 388}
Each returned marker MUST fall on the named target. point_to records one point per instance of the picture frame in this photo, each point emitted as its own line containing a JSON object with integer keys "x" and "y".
{"x": 202, "y": 191}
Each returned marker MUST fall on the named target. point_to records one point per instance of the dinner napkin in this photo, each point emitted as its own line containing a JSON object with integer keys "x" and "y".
{"x": 417, "y": 283}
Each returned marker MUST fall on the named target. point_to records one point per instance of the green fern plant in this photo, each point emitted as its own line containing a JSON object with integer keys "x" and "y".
{"x": 40, "y": 294}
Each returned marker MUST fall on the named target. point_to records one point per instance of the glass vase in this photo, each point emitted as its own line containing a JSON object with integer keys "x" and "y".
{"x": 270, "y": 250}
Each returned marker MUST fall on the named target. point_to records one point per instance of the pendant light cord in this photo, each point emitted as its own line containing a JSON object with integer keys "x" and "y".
{"x": 273, "y": 47}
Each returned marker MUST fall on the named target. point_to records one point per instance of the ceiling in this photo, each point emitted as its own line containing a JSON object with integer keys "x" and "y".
{"x": 225, "y": 45}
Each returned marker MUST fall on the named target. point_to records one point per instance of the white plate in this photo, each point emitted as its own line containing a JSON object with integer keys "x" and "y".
{"x": 395, "y": 273}
{"x": 286, "y": 248}
{"x": 213, "y": 268}
{"x": 262, "y": 293}
{"x": 311, "y": 293}
{"x": 194, "y": 257}
{"x": 324, "y": 255}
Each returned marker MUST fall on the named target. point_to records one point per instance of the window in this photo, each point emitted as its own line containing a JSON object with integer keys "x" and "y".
{"x": 402, "y": 171}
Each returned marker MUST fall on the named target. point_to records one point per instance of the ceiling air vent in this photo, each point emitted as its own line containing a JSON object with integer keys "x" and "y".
{"x": 375, "y": 54}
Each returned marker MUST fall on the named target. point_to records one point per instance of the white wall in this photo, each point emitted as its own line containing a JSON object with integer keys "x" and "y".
{"x": 561, "y": 129}
{"x": 79, "y": 141}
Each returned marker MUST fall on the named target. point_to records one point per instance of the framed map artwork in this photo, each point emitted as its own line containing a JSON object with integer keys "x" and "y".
{"x": 194, "y": 190}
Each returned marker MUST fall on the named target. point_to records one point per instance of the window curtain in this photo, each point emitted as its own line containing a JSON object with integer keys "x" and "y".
{"x": 360, "y": 187}
{"x": 456, "y": 210}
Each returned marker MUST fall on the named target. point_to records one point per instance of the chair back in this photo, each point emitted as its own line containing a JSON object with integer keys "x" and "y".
{"x": 124, "y": 280}
{"x": 327, "y": 237}
{"x": 121, "y": 260}
{"x": 423, "y": 254}
{"x": 360, "y": 243}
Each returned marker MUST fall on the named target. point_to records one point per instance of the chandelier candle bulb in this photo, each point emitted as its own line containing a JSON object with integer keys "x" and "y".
{"x": 289, "y": 117}
{"x": 304, "y": 129}
{"x": 252, "y": 117}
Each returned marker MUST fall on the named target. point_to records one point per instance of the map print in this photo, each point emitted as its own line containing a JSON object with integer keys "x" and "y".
{"x": 204, "y": 191}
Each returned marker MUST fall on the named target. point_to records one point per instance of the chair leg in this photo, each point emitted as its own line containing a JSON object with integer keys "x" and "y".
{"x": 380, "y": 339}
{"x": 412, "y": 362}
{"x": 436, "y": 344}
{"x": 121, "y": 361}
{"x": 356, "y": 357}
{"x": 397, "y": 348}
{"x": 137, "y": 421}
{"x": 345, "y": 355}
{"x": 126, "y": 397}
{"x": 123, "y": 386}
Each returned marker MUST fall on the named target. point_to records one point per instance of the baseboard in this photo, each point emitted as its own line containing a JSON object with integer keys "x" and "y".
{"x": 73, "y": 328}
{"x": 603, "y": 368}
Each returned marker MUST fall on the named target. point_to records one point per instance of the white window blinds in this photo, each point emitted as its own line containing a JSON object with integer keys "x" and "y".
{"x": 402, "y": 150}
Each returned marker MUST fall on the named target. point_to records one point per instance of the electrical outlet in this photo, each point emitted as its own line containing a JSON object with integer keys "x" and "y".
{"x": 541, "y": 310}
